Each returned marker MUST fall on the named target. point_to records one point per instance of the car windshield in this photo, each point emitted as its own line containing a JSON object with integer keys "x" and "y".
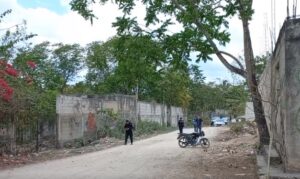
{"x": 225, "y": 118}
{"x": 216, "y": 118}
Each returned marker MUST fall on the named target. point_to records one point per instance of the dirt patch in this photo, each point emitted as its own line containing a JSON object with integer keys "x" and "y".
{"x": 230, "y": 156}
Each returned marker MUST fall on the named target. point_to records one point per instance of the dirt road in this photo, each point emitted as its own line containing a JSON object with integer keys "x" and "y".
{"x": 157, "y": 157}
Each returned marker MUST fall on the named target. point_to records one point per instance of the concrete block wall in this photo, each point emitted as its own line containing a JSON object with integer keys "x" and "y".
{"x": 291, "y": 105}
{"x": 278, "y": 95}
{"x": 265, "y": 91}
{"x": 176, "y": 113}
{"x": 280, "y": 89}
{"x": 78, "y": 116}
{"x": 151, "y": 112}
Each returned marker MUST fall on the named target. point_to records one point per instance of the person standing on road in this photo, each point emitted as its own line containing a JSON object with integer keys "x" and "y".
{"x": 128, "y": 131}
{"x": 195, "y": 123}
{"x": 199, "y": 124}
{"x": 180, "y": 125}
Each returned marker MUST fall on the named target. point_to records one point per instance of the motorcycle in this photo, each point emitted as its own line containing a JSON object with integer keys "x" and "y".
{"x": 193, "y": 139}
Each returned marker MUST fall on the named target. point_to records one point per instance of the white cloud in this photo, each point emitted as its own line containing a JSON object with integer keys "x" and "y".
{"x": 71, "y": 27}
{"x": 67, "y": 28}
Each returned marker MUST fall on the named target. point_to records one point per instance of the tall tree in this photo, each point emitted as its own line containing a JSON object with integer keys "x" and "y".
{"x": 127, "y": 65}
{"x": 67, "y": 62}
{"x": 205, "y": 26}
{"x": 174, "y": 87}
{"x": 100, "y": 63}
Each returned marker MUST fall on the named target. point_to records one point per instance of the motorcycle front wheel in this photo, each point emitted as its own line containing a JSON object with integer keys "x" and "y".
{"x": 204, "y": 142}
{"x": 182, "y": 142}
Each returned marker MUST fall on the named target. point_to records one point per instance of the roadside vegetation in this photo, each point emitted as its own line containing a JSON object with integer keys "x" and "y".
{"x": 142, "y": 128}
{"x": 243, "y": 127}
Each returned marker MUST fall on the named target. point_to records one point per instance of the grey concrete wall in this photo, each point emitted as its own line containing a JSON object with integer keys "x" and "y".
{"x": 278, "y": 95}
{"x": 280, "y": 89}
{"x": 265, "y": 91}
{"x": 176, "y": 113}
{"x": 78, "y": 116}
{"x": 291, "y": 105}
{"x": 151, "y": 112}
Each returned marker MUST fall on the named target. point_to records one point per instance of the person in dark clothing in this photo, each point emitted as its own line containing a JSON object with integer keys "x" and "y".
{"x": 180, "y": 125}
{"x": 128, "y": 131}
{"x": 199, "y": 124}
{"x": 195, "y": 124}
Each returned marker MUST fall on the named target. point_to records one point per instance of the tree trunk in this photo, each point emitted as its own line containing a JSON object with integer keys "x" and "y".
{"x": 253, "y": 86}
{"x": 264, "y": 137}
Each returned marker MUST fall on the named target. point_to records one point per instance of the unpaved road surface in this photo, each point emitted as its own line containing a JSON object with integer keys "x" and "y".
{"x": 157, "y": 157}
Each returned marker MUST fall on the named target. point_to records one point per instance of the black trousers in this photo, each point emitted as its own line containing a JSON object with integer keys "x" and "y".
{"x": 128, "y": 134}
{"x": 180, "y": 130}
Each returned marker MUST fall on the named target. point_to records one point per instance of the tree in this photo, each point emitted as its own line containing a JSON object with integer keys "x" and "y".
{"x": 204, "y": 25}
{"x": 9, "y": 75}
{"x": 11, "y": 37}
{"x": 67, "y": 61}
{"x": 236, "y": 98}
{"x": 260, "y": 64}
{"x": 100, "y": 63}
{"x": 173, "y": 87}
{"x": 127, "y": 65}
{"x": 15, "y": 91}
{"x": 41, "y": 77}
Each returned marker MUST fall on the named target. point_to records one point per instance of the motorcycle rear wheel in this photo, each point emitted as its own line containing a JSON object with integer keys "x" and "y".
{"x": 182, "y": 142}
{"x": 204, "y": 142}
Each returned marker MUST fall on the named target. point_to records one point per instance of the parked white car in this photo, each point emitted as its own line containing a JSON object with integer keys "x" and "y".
{"x": 217, "y": 121}
{"x": 225, "y": 119}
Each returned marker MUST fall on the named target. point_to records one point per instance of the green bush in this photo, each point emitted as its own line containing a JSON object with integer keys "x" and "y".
{"x": 237, "y": 127}
{"x": 147, "y": 127}
{"x": 116, "y": 129}
{"x": 110, "y": 124}
{"x": 113, "y": 129}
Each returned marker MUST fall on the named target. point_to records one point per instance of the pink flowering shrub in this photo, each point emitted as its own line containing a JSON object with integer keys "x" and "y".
{"x": 6, "y": 69}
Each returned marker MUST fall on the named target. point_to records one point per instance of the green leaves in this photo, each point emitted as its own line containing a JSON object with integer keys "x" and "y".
{"x": 82, "y": 7}
{"x": 209, "y": 97}
{"x": 67, "y": 62}
{"x": 173, "y": 87}
{"x": 260, "y": 64}
{"x": 127, "y": 26}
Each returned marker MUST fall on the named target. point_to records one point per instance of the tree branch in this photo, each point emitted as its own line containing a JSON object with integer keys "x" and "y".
{"x": 239, "y": 71}
{"x": 234, "y": 58}
{"x": 230, "y": 67}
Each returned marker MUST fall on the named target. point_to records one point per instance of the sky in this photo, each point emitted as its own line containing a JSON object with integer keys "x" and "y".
{"x": 52, "y": 20}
